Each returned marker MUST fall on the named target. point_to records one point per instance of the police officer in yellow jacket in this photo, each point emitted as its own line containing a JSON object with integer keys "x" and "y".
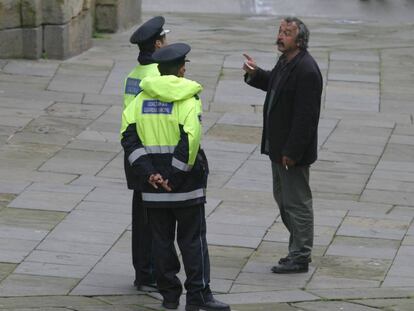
{"x": 149, "y": 37}
{"x": 164, "y": 146}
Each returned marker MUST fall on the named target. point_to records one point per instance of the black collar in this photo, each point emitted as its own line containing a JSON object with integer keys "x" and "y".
{"x": 284, "y": 62}
{"x": 145, "y": 58}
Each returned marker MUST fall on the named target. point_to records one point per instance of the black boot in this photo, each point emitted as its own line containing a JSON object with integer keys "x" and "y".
{"x": 291, "y": 267}
{"x": 210, "y": 305}
{"x": 284, "y": 260}
{"x": 146, "y": 287}
{"x": 171, "y": 305}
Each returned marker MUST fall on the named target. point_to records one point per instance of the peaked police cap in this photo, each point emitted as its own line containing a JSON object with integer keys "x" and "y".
{"x": 171, "y": 53}
{"x": 149, "y": 30}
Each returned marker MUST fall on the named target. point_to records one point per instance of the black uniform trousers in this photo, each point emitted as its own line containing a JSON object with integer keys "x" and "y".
{"x": 142, "y": 258}
{"x": 191, "y": 238}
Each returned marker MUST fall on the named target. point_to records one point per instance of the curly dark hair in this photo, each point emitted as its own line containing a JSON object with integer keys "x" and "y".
{"x": 303, "y": 35}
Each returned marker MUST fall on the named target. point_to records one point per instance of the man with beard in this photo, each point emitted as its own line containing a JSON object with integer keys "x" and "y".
{"x": 290, "y": 131}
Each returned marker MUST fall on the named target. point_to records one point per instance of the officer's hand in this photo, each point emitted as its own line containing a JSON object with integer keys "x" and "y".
{"x": 249, "y": 65}
{"x": 155, "y": 179}
{"x": 287, "y": 162}
{"x": 165, "y": 185}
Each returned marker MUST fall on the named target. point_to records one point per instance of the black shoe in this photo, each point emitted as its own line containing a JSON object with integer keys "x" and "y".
{"x": 284, "y": 260}
{"x": 172, "y": 305}
{"x": 211, "y": 305}
{"x": 147, "y": 287}
{"x": 291, "y": 267}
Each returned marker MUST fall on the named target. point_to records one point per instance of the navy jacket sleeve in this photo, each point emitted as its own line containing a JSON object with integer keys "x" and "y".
{"x": 135, "y": 151}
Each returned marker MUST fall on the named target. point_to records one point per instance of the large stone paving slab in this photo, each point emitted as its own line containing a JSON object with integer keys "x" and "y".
{"x": 329, "y": 282}
{"x": 12, "y": 186}
{"x": 70, "y": 110}
{"x": 15, "y": 232}
{"x": 391, "y": 197}
{"x": 30, "y": 285}
{"x": 41, "y": 68}
{"x": 360, "y": 293}
{"x": 47, "y": 200}
{"x": 358, "y": 96}
{"x": 37, "y": 219}
{"x": 353, "y": 71}
{"x": 115, "y": 168}
{"x": 78, "y": 247}
{"x": 51, "y": 302}
{"x": 77, "y": 161}
{"x": 388, "y": 304}
{"x": 241, "y": 214}
{"x": 15, "y": 249}
{"x": 54, "y": 126}
{"x": 24, "y": 158}
{"x": 267, "y": 297}
{"x": 333, "y": 305}
{"x": 338, "y": 182}
{"x": 374, "y": 228}
{"x": 22, "y": 174}
{"x": 52, "y": 269}
{"x": 364, "y": 269}
{"x": 363, "y": 247}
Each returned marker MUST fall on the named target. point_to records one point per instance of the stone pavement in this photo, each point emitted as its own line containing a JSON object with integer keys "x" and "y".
{"x": 65, "y": 210}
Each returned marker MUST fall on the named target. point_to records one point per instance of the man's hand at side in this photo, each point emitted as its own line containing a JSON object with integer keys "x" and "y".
{"x": 287, "y": 162}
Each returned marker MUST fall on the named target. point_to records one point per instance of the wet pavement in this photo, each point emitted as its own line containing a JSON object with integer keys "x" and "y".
{"x": 383, "y": 11}
{"x": 65, "y": 210}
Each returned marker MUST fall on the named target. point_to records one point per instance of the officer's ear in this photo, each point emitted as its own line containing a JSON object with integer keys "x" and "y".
{"x": 181, "y": 71}
{"x": 158, "y": 44}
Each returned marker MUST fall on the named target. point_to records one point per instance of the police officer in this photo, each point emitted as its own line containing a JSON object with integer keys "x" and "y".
{"x": 164, "y": 146}
{"x": 149, "y": 37}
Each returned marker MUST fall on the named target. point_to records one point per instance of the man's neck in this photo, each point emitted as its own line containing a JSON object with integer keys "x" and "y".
{"x": 291, "y": 55}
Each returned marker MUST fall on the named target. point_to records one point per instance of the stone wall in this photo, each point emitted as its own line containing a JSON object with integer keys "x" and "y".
{"x": 115, "y": 15}
{"x": 59, "y": 28}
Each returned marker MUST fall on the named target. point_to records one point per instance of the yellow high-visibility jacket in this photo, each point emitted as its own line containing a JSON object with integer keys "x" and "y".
{"x": 163, "y": 136}
{"x": 134, "y": 78}
{"x": 131, "y": 90}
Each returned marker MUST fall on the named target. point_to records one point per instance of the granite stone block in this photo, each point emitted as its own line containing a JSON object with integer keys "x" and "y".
{"x": 11, "y": 43}
{"x": 9, "y": 14}
{"x": 65, "y": 40}
{"x": 31, "y": 13}
{"x": 60, "y": 12}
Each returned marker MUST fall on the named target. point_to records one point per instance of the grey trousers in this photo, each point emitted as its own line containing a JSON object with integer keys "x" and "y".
{"x": 293, "y": 195}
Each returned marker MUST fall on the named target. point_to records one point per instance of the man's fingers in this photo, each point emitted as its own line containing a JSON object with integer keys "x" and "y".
{"x": 248, "y": 66}
{"x": 165, "y": 185}
{"x": 247, "y": 56}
